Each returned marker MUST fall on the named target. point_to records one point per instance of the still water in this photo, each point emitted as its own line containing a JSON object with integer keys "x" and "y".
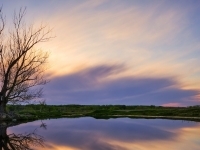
{"x": 112, "y": 134}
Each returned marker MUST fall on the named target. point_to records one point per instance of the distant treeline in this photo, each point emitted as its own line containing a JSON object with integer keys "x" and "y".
{"x": 101, "y": 111}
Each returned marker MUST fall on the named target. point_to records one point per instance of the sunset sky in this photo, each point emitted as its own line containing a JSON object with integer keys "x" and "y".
{"x": 132, "y": 52}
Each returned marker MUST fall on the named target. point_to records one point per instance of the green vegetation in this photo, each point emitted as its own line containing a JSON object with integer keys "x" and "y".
{"x": 43, "y": 111}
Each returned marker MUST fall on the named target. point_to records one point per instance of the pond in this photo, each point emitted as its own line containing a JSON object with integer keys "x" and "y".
{"x": 100, "y": 134}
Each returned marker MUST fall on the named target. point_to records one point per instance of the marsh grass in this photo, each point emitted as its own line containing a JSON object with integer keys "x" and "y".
{"x": 102, "y": 111}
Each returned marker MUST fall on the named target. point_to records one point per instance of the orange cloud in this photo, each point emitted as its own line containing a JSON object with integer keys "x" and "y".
{"x": 146, "y": 39}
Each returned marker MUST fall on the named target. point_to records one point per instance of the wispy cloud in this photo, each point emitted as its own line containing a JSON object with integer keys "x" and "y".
{"x": 155, "y": 40}
{"x": 148, "y": 39}
{"x": 97, "y": 86}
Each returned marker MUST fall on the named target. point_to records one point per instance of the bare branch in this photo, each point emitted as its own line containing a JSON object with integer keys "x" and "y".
{"x": 21, "y": 64}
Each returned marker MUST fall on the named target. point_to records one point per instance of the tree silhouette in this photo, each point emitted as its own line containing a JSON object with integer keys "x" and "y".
{"x": 21, "y": 63}
{"x": 19, "y": 141}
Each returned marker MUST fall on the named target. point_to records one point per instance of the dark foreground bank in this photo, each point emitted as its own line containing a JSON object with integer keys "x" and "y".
{"x": 33, "y": 112}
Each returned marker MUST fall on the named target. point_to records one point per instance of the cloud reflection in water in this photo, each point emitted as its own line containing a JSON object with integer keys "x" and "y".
{"x": 115, "y": 134}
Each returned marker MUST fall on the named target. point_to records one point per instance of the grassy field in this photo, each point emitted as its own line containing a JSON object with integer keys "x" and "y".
{"x": 104, "y": 111}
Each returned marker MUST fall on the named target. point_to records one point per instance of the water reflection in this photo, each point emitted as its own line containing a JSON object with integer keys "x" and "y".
{"x": 116, "y": 134}
{"x": 21, "y": 141}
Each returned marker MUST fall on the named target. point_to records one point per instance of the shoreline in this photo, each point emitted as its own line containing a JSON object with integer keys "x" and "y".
{"x": 136, "y": 117}
{"x": 34, "y": 118}
{"x": 36, "y": 112}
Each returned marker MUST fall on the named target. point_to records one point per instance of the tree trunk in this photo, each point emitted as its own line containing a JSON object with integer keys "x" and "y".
{"x": 3, "y": 137}
{"x": 3, "y": 130}
{"x": 2, "y": 107}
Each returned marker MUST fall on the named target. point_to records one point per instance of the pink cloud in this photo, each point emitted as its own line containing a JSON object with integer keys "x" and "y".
{"x": 172, "y": 105}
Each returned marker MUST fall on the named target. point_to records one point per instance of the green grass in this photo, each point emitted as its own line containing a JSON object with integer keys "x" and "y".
{"x": 101, "y": 111}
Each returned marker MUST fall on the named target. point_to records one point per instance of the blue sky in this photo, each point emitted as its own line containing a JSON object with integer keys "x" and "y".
{"x": 119, "y": 52}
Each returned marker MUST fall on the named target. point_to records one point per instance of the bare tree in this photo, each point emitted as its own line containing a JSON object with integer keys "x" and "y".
{"x": 24, "y": 141}
{"x": 21, "y": 141}
{"x": 21, "y": 64}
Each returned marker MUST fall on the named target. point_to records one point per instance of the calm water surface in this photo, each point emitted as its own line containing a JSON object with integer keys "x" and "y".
{"x": 112, "y": 134}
